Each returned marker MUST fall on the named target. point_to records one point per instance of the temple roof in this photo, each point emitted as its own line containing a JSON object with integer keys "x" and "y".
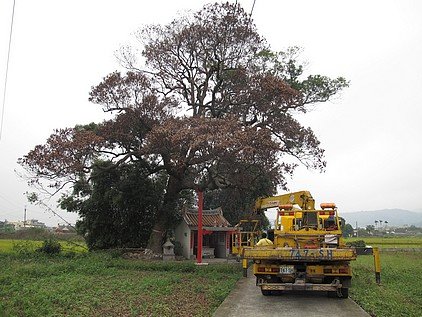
{"x": 210, "y": 218}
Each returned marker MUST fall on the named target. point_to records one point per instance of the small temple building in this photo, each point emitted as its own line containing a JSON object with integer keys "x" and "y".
{"x": 216, "y": 234}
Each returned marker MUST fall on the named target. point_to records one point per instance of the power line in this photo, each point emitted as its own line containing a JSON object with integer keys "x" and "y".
{"x": 253, "y": 6}
{"x": 9, "y": 201}
{"x": 7, "y": 68}
{"x": 47, "y": 207}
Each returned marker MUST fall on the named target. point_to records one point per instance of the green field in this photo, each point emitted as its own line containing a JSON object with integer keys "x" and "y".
{"x": 400, "y": 292}
{"x": 13, "y": 246}
{"x": 102, "y": 285}
{"x": 391, "y": 242}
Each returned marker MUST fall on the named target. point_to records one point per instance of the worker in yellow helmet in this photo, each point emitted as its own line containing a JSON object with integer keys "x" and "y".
{"x": 264, "y": 241}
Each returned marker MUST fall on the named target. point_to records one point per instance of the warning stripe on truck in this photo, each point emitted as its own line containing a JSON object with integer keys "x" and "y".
{"x": 292, "y": 254}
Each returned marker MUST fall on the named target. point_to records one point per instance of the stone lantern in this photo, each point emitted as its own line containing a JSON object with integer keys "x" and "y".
{"x": 168, "y": 251}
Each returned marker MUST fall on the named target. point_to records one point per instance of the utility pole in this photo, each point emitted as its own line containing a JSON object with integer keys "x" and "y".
{"x": 24, "y": 217}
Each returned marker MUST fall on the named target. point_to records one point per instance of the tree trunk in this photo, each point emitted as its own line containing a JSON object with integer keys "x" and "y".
{"x": 161, "y": 224}
{"x": 158, "y": 232}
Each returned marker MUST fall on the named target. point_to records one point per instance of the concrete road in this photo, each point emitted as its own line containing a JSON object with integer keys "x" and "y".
{"x": 246, "y": 300}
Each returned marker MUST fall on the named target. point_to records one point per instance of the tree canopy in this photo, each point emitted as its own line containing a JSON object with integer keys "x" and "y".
{"x": 206, "y": 101}
{"x": 119, "y": 206}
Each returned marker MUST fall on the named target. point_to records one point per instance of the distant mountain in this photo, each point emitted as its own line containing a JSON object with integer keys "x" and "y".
{"x": 395, "y": 217}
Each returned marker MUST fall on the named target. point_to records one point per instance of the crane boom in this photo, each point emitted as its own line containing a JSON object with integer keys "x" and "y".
{"x": 302, "y": 198}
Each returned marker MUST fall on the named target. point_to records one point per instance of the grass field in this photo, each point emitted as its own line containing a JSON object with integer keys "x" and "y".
{"x": 391, "y": 242}
{"x": 12, "y": 246}
{"x": 100, "y": 285}
{"x": 400, "y": 292}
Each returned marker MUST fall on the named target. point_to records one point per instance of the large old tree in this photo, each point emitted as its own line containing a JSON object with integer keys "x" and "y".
{"x": 205, "y": 101}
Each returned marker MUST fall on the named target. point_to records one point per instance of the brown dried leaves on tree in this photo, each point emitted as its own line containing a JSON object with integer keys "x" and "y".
{"x": 211, "y": 105}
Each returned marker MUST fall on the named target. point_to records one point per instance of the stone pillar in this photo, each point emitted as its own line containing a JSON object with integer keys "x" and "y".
{"x": 168, "y": 251}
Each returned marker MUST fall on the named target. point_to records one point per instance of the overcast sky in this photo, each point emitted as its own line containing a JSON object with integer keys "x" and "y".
{"x": 371, "y": 133}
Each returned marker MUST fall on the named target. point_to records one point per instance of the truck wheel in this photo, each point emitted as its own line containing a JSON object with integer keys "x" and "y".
{"x": 265, "y": 292}
{"x": 344, "y": 292}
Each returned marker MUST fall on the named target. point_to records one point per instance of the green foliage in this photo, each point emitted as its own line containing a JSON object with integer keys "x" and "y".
{"x": 347, "y": 230}
{"x": 6, "y": 227}
{"x": 357, "y": 243}
{"x": 50, "y": 246}
{"x": 399, "y": 294}
{"x": 238, "y": 202}
{"x": 100, "y": 285}
{"x": 370, "y": 229}
{"x": 24, "y": 247}
{"x": 118, "y": 209}
{"x": 288, "y": 66}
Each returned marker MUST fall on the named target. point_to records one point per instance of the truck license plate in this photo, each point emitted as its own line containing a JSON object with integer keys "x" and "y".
{"x": 287, "y": 269}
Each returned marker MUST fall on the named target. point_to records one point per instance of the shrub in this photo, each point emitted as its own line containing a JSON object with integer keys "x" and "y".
{"x": 357, "y": 244}
{"x": 50, "y": 246}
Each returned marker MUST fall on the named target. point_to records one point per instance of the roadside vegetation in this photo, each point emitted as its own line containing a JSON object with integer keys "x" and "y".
{"x": 400, "y": 292}
{"x": 103, "y": 284}
{"x": 79, "y": 283}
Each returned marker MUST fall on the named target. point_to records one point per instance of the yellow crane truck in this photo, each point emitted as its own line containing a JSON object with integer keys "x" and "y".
{"x": 308, "y": 251}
